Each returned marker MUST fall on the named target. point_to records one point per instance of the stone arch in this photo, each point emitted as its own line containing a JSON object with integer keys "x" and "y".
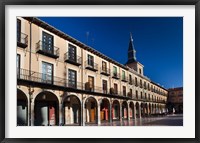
{"x": 132, "y": 110}
{"x": 104, "y": 109}
{"x": 46, "y": 109}
{"x": 91, "y": 109}
{"x": 22, "y": 108}
{"x": 124, "y": 110}
{"x": 72, "y": 109}
{"x": 116, "y": 110}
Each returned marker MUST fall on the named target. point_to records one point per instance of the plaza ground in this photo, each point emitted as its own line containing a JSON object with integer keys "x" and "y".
{"x": 168, "y": 120}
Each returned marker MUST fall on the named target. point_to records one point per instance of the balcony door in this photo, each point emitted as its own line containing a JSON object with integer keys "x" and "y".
{"x": 91, "y": 82}
{"x": 47, "y": 72}
{"x": 105, "y": 86}
{"x": 104, "y": 66}
{"x": 72, "y": 78}
{"x": 115, "y": 71}
{"x": 115, "y": 88}
{"x": 72, "y": 53}
{"x": 47, "y": 43}
{"x": 91, "y": 61}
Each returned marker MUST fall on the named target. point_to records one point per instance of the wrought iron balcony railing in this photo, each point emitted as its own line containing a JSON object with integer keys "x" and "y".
{"x": 47, "y": 49}
{"x": 22, "y": 40}
{"x": 73, "y": 59}
{"x": 91, "y": 66}
{"x": 105, "y": 71}
{"x": 115, "y": 75}
{"x": 124, "y": 78}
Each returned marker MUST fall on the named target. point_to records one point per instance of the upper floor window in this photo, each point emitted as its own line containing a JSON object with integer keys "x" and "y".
{"x": 140, "y": 71}
{"x": 47, "y": 72}
{"x": 72, "y": 52}
{"x": 115, "y": 70}
{"x": 124, "y": 90}
{"x": 90, "y": 85}
{"x": 47, "y": 43}
{"x": 123, "y": 75}
{"x": 136, "y": 83}
{"x": 90, "y": 60}
{"x": 115, "y": 88}
{"x": 72, "y": 78}
{"x": 104, "y": 82}
{"x": 104, "y": 66}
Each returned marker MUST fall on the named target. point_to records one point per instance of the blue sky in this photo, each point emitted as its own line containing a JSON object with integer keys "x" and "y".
{"x": 158, "y": 41}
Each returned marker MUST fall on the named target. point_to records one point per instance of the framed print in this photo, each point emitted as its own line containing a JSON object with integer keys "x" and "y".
{"x": 105, "y": 71}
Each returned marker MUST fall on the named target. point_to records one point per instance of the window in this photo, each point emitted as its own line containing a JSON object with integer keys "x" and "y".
{"x": 145, "y": 96}
{"x": 91, "y": 61}
{"x": 18, "y": 30}
{"x": 91, "y": 83}
{"x": 115, "y": 88}
{"x": 72, "y": 53}
{"x": 141, "y": 94}
{"x": 130, "y": 79}
{"x": 104, "y": 66}
{"x": 136, "y": 93}
{"x": 140, "y": 83}
{"x": 123, "y": 75}
{"x": 131, "y": 92}
{"x": 104, "y": 86}
{"x": 136, "y": 84}
{"x": 47, "y": 72}
{"x": 140, "y": 71}
{"x": 47, "y": 43}
{"x": 72, "y": 78}
{"x": 115, "y": 71}
{"x": 124, "y": 90}
{"x": 18, "y": 65}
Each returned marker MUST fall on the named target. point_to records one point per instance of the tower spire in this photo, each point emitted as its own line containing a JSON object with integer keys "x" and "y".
{"x": 131, "y": 51}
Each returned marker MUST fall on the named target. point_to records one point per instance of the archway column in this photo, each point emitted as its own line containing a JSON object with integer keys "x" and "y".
{"x": 110, "y": 107}
{"x": 32, "y": 113}
{"x": 98, "y": 114}
{"x": 134, "y": 110}
{"x": 128, "y": 111}
{"x": 61, "y": 121}
{"x": 120, "y": 111}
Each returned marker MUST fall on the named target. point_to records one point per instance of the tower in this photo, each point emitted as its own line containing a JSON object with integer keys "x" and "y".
{"x": 132, "y": 62}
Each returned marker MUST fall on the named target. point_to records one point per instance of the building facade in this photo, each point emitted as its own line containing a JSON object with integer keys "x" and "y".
{"x": 61, "y": 81}
{"x": 175, "y": 100}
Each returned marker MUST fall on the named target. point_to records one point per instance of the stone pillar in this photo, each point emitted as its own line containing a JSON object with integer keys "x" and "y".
{"x": 98, "y": 114}
{"x": 134, "y": 112}
{"x": 83, "y": 114}
{"x": 128, "y": 108}
{"x": 120, "y": 111}
{"x": 32, "y": 113}
{"x": 110, "y": 113}
{"x": 61, "y": 119}
{"x": 139, "y": 110}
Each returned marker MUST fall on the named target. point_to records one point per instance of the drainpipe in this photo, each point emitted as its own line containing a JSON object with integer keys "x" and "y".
{"x": 29, "y": 89}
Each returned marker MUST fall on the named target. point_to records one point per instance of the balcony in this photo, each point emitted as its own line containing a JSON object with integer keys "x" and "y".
{"x": 115, "y": 75}
{"x": 130, "y": 82}
{"x": 105, "y": 71}
{"x": 70, "y": 58}
{"x": 91, "y": 66}
{"x": 22, "y": 40}
{"x": 47, "y": 49}
{"x": 124, "y": 78}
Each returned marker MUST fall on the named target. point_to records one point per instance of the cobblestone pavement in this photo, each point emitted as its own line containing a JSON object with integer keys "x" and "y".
{"x": 169, "y": 120}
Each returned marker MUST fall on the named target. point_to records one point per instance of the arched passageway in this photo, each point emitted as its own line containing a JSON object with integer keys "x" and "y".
{"x": 115, "y": 110}
{"x": 72, "y": 110}
{"x": 124, "y": 110}
{"x": 91, "y": 110}
{"x": 46, "y": 109}
{"x": 22, "y": 108}
{"x": 105, "y": 110}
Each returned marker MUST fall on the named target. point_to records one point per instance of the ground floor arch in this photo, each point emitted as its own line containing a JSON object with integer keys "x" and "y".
{"x": 105, "y": 110}
{"x": 22, "y": 108}
{"x": 131, "y": 110}
{"x": 124, "y": 110}
{"x": 91, "y": 111}
{"x": 116, "y": 110}
{"x": 72, "y": 110}
{"x": 137, "y": 110}
{"x": 46, "y": 110}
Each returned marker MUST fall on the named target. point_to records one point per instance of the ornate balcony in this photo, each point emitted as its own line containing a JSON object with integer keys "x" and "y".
{"x": 22, "y": 40}
{"x": 115, "y": 75}
{"x": 47, "y": 50}
{"x": 105, "y": 71}
{"x": 124, "y": 78}
{"x": 70, "y": 58}
{"x": 91, "y": 66}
